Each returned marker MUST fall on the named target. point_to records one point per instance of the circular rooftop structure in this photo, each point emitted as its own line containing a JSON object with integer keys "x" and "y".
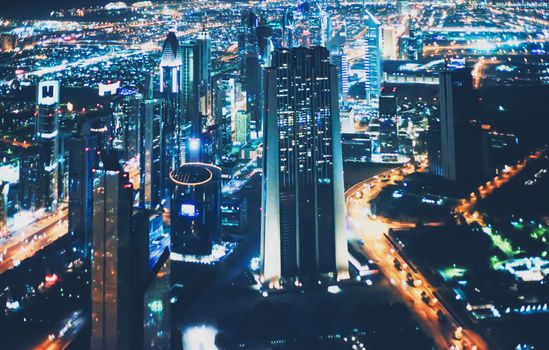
{"x": 191, "y": 174}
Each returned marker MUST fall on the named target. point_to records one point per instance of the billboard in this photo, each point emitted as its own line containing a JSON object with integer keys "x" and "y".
{"x": 109, "y": 88}
{"x": 48, "y": 92}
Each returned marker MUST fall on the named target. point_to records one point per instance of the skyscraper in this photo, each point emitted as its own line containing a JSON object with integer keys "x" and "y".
{"x": 303, "y": 223}
{"x": 388, "y": 137}
{"x": 461, "y": 137}
{"x": 83, "y": 149}
{"x": 151, "y": 153}
{"x": 372, "y": 56}
{"x": 111, "y": 264}
{"x": 173, "y": 102}
{"x": 47, "y": 137}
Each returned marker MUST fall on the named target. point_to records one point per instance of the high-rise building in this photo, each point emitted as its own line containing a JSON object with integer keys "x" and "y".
{"x": 222, "y": 90}
{"x": 242, "y": 131}
{"x": 151, "y": 153}
{"x": 461, "y": 137}
{"x": 372, "y": 56}
{"x": 247, "y": 39}
{"x": 388, "y": 119}
{"x": 173, "y": 103}
{"x": 47, "y": 138}
{"x": 204, "y": 88}
{"x": 30, "y": 176}
{"x": 390, "y": 43}
{"x": 339, "y": 59}
{"x": 83, "y": 149}
{"x": 126, "y": 114}
{"x": 303, "y": 219}
{"x": 195, "y": 209}
{"x": 111, "y": 262}
{"x": 254, "y": 94}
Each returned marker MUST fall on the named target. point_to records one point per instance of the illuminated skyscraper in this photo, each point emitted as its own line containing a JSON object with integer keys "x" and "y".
{"x": 111, "y": 264}
{"x": 150, "y": 137}
{"x": 303, "y": 219}
{"x": 126, "y": 112}
{"x": 372, "y": 56}
{"x": 173, "y": 103}
{"x": 47, "y": 137}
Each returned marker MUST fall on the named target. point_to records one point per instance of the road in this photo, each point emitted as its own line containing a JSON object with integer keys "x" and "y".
{"x": 32, "y": 238}
{"x": 68, "y": 330}
{"x": 419, "y": 295}
{"x": 467, "y": 206}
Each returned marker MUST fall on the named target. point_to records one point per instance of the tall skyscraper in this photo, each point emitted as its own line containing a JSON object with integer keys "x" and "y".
{"x": 303, "y": 219}
{"x": 254, "y": 92}
{"x": 173, "y": 103}
{"x": 111, "y": 264}
{"x": 47, "y": 137}
{"x": 388, "y": 137}
{"x": 461, "y": 137}
{"x": 372, "y": 56}
{"x": 83, "y": 149}
{"x": 204, "y": 89}
{"x": 338, "y": 58}
{"x": 151, "y": 180}
{"x": 126, "y": 113}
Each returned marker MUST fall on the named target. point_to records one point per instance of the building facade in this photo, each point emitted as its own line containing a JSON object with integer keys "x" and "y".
{"x": 303, "y": 223}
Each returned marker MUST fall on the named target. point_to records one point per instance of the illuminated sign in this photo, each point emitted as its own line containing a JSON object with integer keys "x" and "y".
{"x": 48, "y": 92}
{"x": 188, "y": 210}
{"x": 108, "y": 89}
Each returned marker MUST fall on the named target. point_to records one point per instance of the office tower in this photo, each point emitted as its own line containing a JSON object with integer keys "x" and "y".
{"x": 195, "y": 209}
{"x": 390, "y": 43}
{"x": 338, "y": 58}
{"x": 242, "y": 132}
{"x": 47, "y": 139}
{"x": 173, "y": 103}
{"x": 288, "y": 29}
{"x": 191, "y": 78}
{"x": 150, "y": 282}
{"x": 254, "y": 94}
{"x": 303, "y": 219}
{"x": 150, "y": 154}
{"x": 111, "y": 264}
{"x": 264, "y": 43}
{"x": 461, "y": 138}
{"x": 126, "y": 112}
{"x": 221, "y": 110}
{"x": 83, "y": 149}
{"x": 372, "y": 56}
{"x": 29, "y": 179}
{"x": 247, "y": 39}
{"x": 388, "y": 137}
{"x": 326, "y": 26}
{"x": 204, "y": 43}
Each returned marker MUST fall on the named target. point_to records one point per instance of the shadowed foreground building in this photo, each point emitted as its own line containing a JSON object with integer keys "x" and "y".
{"x": 303, "y": 223}
{"x": 130, "y": 268}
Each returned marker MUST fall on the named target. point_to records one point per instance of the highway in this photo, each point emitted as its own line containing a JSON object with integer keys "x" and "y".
{"x": 25, "y": 242}
{"x": 418, "y": 295}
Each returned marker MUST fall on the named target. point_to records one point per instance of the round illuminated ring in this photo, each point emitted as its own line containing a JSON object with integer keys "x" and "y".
{"x": 177, "y": 182}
